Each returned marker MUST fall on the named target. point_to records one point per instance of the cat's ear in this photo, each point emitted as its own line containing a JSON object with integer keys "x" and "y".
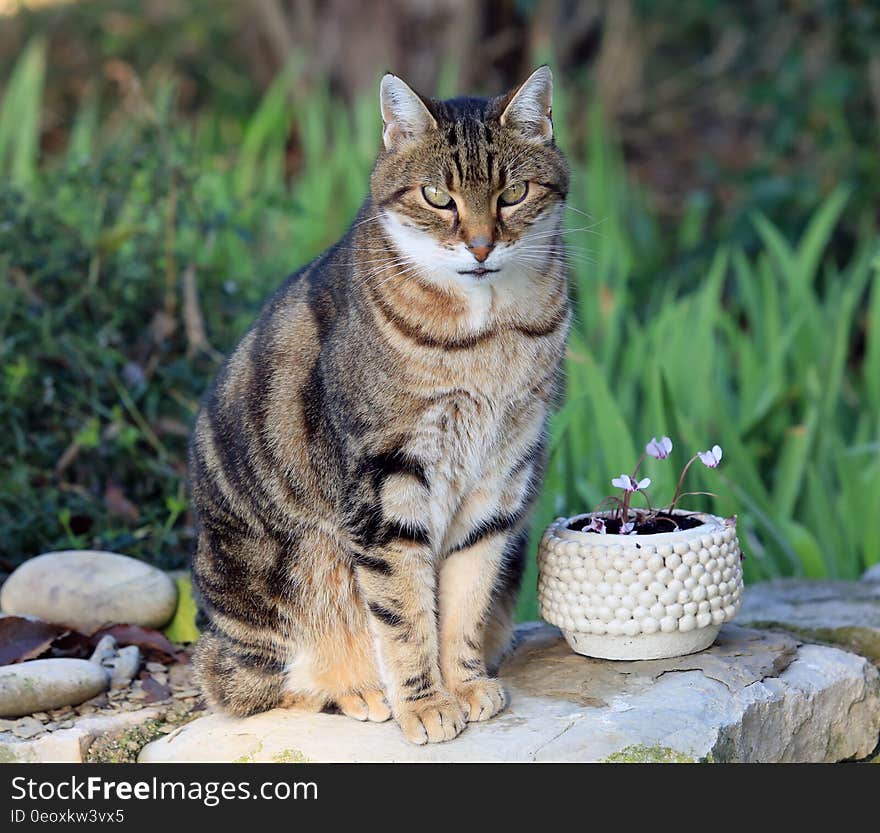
{"x": 529, "y": 108}
{"x": 404, "y": 114}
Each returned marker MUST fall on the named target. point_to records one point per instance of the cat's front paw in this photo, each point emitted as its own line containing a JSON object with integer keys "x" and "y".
{"x": 432, "y": 720}
{"x": 366, "y": 705}
{"x": 480, "y": 699}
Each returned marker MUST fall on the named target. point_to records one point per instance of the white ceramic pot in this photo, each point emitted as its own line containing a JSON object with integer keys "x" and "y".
{"x": 640, "y": 596}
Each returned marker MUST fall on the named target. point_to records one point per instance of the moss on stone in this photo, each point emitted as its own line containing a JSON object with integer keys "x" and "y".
{"x": 285, "y": 756}
{"x": 124, "y": 746}
{"x": 643, "y": 754}
{"x": 7, "y": 754}
{"x": 862, "y": 641}
{"x": 248, "y": 758}
{"x": 290, "y": 756}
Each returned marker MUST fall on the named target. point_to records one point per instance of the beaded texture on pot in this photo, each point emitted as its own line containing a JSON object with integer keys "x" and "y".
{"x": 621, "y": 585}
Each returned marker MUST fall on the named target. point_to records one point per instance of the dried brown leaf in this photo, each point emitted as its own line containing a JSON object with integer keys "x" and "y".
{"x": 154, "y": 689}
{"x": 23, "y": 639}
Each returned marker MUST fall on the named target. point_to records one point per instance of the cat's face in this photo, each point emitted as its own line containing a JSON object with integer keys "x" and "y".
{"x": 471, "y": 190}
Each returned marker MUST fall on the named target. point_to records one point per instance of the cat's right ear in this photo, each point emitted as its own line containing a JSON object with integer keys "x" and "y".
{"x": 404, "y": 115}
{"x": 529, "y": 108}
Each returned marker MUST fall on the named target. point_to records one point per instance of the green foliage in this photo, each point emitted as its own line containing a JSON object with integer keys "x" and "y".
{"x": 111, "y": 258}
{"x": 115, "y": 252}
{"x": 182, "y": 628}
{"x": 762, "y": 353}
{"x": 20, "y": 116}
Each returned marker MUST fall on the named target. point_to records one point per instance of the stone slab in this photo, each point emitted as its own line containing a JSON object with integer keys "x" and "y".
{"x": 753, "y": 696}
{"x": 845, "y": 613}
{"x": 70, "y": 746}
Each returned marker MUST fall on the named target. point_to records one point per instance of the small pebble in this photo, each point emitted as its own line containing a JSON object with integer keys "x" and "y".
{"x": 104, "y": 650}
{"x": 61, "y": 714}
{"x": 27, "y": 727}
{"x": 153, "y": 667}
{"x": 124, "y": 666}
{"x": 180, "y": 675}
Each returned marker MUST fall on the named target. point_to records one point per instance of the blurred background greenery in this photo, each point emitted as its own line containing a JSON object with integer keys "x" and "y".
{"x": 164, "y": 165}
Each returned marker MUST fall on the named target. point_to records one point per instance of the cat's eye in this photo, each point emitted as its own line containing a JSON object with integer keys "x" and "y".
{"x": 437, "y": 197}
{"x": 513, "y": 194}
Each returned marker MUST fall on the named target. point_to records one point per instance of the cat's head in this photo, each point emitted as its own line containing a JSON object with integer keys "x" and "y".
{"x": 471, "y": 190}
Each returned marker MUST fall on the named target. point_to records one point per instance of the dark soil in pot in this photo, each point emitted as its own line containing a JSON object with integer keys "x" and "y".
{"x": 645, "y": 523}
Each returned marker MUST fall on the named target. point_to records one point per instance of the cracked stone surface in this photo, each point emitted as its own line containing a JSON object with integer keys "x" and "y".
{"x": 70, "y": 745}
{"x": 845, "y": 613}
{"x": 753, "y": 696}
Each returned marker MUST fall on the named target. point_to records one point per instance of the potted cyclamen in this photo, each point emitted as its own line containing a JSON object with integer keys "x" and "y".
{"x": 648, "y": 583}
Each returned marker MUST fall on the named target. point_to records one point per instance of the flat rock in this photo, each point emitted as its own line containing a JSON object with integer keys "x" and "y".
{"x": 87, "y": 589}
{"x": 872, "y": 574}
{"x": 845, "y": 613}
{"x": 753, "y": 696}
{"x": 43, "y": 684}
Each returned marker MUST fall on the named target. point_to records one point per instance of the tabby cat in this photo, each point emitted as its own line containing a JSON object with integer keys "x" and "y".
{"x": 364, "y": 467}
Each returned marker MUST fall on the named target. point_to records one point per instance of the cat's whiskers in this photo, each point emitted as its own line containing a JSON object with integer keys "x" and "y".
{"x": 544, "y": 249}
{"x": 371, "y": 219}
{"x": 394, "y": 271}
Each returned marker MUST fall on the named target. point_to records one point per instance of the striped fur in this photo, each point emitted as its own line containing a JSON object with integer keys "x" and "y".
{"x": 364, "y": 466}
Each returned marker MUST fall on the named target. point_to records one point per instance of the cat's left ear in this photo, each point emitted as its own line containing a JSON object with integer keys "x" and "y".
{"x": 404, "y": 114}
{"x": 529, "y": 108}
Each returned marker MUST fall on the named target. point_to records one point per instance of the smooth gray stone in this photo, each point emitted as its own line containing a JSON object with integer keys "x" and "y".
{"x": 88, "y": 589}
{"x": 43, "y": 684}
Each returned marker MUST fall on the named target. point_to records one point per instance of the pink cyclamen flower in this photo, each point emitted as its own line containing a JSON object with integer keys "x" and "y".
{"x": 626, "y": 483}
{"x": 628, "y": 529}
{"x": 596, "y": 525}
{"x": 660, "y": 449}
{"x": 712, "y": 457}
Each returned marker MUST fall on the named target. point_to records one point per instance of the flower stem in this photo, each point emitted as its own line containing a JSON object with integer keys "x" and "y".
{"x": 624, "y": 508}
{"x": 680, "y": 481}
{"x": 638, "y": 464}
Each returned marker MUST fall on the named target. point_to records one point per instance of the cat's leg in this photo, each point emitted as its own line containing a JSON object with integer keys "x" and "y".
{"x": 478, "y": 584}
{"x": 402, "y": 609}
{"x": 243, "y": 679}
{"x": 498, "y": 633}
{"x": 241, "y": 655}
{"x": 333, "y": 659}
{"x": 468, "y": 581}
{"x": 396, "y": 572}
{"x": 339, "y": 674}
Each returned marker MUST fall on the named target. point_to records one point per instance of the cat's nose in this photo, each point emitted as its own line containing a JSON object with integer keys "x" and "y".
{"x": 480, "y": 247}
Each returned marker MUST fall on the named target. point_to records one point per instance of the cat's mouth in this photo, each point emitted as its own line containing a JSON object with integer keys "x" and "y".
{"x": 479, "y": 271}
